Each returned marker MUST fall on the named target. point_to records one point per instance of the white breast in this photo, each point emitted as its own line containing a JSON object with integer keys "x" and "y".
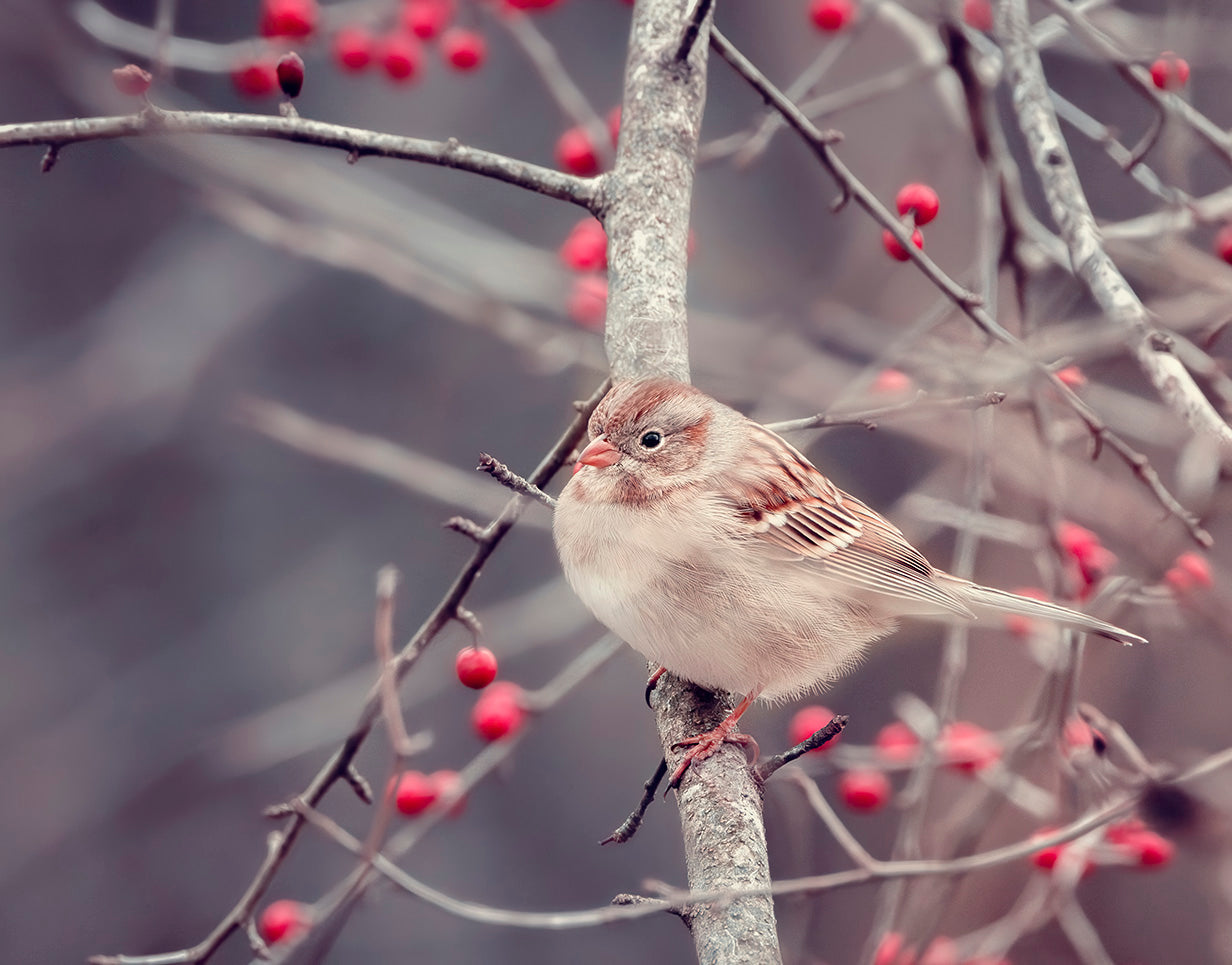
{"x": 677, "y": 585}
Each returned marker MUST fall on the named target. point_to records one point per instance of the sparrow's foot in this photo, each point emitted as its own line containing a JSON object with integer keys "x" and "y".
{"x": 704, "y": 745}
{"x": 650, "y": 684}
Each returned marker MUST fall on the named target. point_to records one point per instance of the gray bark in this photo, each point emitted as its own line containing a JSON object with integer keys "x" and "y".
{"x": 645, "y": 204}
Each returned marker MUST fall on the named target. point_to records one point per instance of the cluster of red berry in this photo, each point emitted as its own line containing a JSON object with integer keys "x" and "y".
{"x": 942, "y": 950}
{"x": 398, "y": 50}
{"x": 831, "y": 16}
{"x": 917, "y": 204}
{"x": 963, "y": 747}
{"x": 1128, "y": 842}
{"x": 498, "y": 713}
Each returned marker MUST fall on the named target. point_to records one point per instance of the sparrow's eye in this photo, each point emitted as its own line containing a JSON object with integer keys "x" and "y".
{"x": 651, "y": 439}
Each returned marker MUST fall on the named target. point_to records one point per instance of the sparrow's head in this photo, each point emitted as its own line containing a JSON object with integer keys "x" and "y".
{"x": 649, "y": 436}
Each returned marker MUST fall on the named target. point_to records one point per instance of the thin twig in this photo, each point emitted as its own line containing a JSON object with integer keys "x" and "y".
{"x": 869, "y": 419}
{"x": 629, "y": 826}
{"x": 819, "y": 738}
{"x": 967, "y": 302}
{"x": 544, "y": 58}
{"x": 391, "y": 707}
{"x": 511, "y": 480}
{"x": 634, "y": 907}
{"x": 340, "y": 761}
{"x": 356, "y": 142}
{"x": 693, "y": 26}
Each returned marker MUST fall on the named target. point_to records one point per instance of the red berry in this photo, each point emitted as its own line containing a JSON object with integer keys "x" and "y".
{"x": 1170, "y": 72}
{"x": 891, "y": 382}
{"x": 890, "y": 951}
{"x": 968, "y": 748}
{"x": 897, "y": 743}
{"x": 978, "y": 14}
{"x": 587, "y": 304}
{"x": 1223, "y": 243}
{"x": 895, "y": 248}
{"x": 920, "y": 200}
{"x": 585, "y": 249}
{"x": 414, "y": 793}
{"x": 806, "y": 722}
{"x": 476, "y": 667}
{"x": 942, "y": 950}
{"x": 290, "y": 71}
{"x": 463, "y": 49}
{"x": 1124, "y": 832}
{"x": 1078, "y": 541}
{"x": 288, "y": 18}
{"x": 1086, "y": 553}
{"x": 426, "y": 18}
{"x": 1196, "y": 566}
{"x": 1153, "y": 850}
{"x": 400, "y": 57}
{"x": 1078, "y": 734}
{"x": 1047, "y": 859}
{"x": 131, "y": 80}
{"x": 576, "y": 154}
{"x": 613, "y": 123}
{"x": 255, "y": 80}
{"x": 864, "y": 790}
{"x": 1141, "y": 845}
{"x": 283, "y": 921}
{"x": 498, "y": 712}
{"x": 832, "y": 15}
{"x": 353, "y": 48}
{"x": 1072, "y": 376}
{"x": 447, "y": 784}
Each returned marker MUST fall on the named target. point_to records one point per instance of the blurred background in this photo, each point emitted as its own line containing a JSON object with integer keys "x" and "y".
{"x": 187, "y": 598}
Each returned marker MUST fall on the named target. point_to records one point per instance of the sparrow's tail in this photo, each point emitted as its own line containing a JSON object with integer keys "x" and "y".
{"x": 984, "y": 600}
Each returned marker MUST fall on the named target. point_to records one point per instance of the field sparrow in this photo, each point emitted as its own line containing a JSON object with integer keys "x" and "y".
{"x": 715, "y": 548}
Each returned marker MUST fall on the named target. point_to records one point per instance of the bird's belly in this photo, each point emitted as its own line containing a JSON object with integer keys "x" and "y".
{"x": 726, "y": 626}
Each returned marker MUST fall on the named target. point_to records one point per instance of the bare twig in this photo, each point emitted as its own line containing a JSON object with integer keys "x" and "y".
{"x": 968, "y": 302}
{"x": 340, "y": 761}
{"x": 356, "y": 142}
{"x": 1073, "y": 217}
{"x": 628, "y": 827}
{"x": 391, "y": 707}
{"x": 543, "y": 57}
{"x": 869, "y": 419}
{"x": 511, "y": 480}
{"x": 414, "y": 471}
{"x": 868, "y": 870}
{"x": 693, "y": 26}
{"x": 819, "y": 738}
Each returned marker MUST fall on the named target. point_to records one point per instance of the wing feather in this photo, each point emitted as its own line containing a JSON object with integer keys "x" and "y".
{"x": 787, "y": 503}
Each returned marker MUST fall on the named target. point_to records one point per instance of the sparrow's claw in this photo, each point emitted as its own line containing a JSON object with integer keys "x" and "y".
{"x": 650, "y": 684}
{"x": 704, "y": 745}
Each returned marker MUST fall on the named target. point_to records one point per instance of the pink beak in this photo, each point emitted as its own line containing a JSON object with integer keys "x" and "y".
{"x": 599, "y": 453}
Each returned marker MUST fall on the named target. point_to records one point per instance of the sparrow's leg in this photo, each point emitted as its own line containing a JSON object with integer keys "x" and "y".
{"x": 650, "y": 684}
{"x": 706, "y": 744}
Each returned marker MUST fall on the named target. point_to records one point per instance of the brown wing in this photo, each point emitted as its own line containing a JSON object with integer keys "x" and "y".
{"x": 787, "y": 502}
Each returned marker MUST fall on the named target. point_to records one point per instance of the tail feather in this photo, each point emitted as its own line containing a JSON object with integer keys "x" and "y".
{"x": 985, "y": 599}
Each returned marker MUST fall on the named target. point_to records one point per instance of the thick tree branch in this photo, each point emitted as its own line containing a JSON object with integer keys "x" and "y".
{"x": 646, "y": 213}
{"x": 357, "y": 142}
